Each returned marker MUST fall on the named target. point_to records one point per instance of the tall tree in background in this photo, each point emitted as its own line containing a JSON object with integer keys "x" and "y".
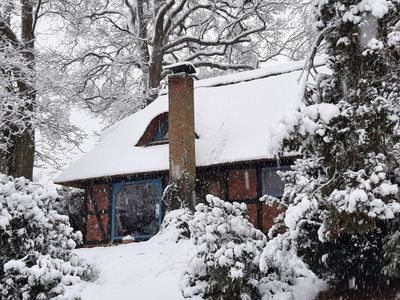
{"x": 20, "y": 134}
{"x": 114, "y": 52}
{"x": 32, "y": 110}
{"x": 117, "y": 49}
{"x": 342, "y": 196}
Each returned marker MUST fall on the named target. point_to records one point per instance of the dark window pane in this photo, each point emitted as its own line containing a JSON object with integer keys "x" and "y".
{"x": 161, "y": 133}
{"x": 136, "y": 209}
{"x": 271, "y": 182}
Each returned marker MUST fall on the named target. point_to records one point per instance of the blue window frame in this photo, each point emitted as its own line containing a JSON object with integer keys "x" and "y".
{"x": 136, "y": 209}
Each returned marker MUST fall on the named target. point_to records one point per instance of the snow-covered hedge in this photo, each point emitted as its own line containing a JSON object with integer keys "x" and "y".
{"x": 36, "y": 243}
{"x": 227, "y": 263}
{"x": 285, "y": 275}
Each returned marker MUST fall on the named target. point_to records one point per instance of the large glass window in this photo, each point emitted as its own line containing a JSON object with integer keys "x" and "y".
{"x": 136, "y": 208}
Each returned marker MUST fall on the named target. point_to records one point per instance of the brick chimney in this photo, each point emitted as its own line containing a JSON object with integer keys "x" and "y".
{"x": 181, "y": 135}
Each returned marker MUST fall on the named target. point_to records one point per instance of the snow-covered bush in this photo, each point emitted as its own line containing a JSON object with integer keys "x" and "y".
{"x": 36, "y": 243}
{"x": 234, "y": 261}
{"x": 226, "y": 265}
{"x": 71, "y": 202}
{"x": 177, "y": 222}
{"x": 285, "y": 275}
{"x": 342, "y": 196}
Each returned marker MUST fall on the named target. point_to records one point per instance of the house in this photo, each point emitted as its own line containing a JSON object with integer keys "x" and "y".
{"x": 226, "y": 143}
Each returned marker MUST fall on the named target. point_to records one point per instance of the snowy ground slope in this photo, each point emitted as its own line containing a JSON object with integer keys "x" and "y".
{"x": 147, "y": 271}
{"x": 152, "y": 270}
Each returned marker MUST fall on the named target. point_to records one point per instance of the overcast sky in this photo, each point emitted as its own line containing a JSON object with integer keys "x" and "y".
{"x": 90, "y": 125}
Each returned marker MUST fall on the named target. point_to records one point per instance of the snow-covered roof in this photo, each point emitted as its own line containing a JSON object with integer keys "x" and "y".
{"x": 234, "y": 115}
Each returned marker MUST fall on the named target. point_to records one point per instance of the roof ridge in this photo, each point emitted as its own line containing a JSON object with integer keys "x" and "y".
{"x": 265, "y": 72}
{"x": 260, "y": 73}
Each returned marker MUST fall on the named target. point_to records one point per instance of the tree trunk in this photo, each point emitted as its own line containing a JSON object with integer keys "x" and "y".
{"x": 22, "y": 151}
{"x": 157, "y": 55}
{"x": 155, "y": 70}
{"x": 144, "y": 50}
{"x": 22, "y": 155}
{"x": 3, "y": 162}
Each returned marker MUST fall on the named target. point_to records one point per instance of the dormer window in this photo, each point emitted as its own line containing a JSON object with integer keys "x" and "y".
{"x": 161, "y": 133}
{"x": 157, "y": 132}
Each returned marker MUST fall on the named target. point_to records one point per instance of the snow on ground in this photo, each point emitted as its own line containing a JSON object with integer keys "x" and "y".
{"x": 153, "y": 270}
{"x": 146, "y": 271}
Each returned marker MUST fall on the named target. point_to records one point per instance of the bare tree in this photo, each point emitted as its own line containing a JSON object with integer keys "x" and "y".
{"x": 112, "y": 58}
{"x": 30, "y": 105}
{"x": 117, "y": 49}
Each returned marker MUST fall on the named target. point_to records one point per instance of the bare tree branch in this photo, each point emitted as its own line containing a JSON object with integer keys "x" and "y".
{"x": 191, "y": 39}
{"x": 36, "y": 14}
{"x": 6, "y": 34}
{"x": 222, "y": 66}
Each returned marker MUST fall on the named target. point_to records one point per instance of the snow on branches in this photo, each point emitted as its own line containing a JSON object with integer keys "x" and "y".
{"x": 342, "y": 195}
{"x": 233, "y": 260}
{"x": 228, "y": 252}
{"x": 36, "y": 243}
{"x": 123, "y": 46}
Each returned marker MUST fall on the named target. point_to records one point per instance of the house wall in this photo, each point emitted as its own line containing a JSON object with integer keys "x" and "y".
{"x": 98, "y": 200}
{"x": 240, "y": 183}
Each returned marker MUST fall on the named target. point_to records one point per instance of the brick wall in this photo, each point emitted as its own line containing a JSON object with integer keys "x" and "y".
{"x": 97, "y": 201}
{"x": 268, "y": 215}
{"x": 94, "y": 233}
{"x": 252, "y": 214}
{"x": 242, "y": 184}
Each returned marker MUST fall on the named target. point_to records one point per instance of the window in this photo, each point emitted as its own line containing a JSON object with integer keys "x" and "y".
{"x": 271, "y": 182}
{"x": 136, "y": 209}
{"x": 156, "y": 132}
{"x": 272, "y": 185}
{"x": 161, "y": 133}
